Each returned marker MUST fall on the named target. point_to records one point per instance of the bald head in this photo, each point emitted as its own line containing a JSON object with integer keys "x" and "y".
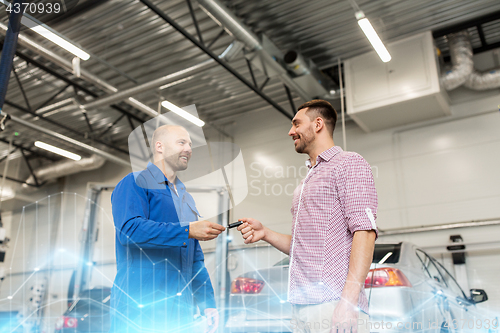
{"x": 164, "y": 132}
{"x": 171, "y": 143}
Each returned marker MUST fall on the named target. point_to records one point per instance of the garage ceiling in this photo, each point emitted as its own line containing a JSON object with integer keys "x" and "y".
{"x": 134, "y": 46}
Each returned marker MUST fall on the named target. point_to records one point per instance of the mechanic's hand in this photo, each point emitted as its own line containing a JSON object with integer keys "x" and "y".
{"x": 205, "y": 230}
{"x": 212, "y": 320}
{"x": 251, "y": 230}
{"x": 345, "y": 318}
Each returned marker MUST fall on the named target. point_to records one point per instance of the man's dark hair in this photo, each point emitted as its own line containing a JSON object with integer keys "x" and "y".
{"x": 323, "y": 109}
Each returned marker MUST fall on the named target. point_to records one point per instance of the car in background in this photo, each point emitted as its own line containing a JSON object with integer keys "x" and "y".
{"x": 88, "y": 313}
{"x": 407, "y": 290}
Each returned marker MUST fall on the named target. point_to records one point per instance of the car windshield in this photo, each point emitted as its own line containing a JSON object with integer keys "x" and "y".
{"x": 383, "y": 254}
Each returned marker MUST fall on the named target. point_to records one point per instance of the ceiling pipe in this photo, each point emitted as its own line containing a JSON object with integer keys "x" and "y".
{"x": 86, "y": 147}
{"x": 118, "y": 96}
{"x": 463, "y": 71}
{"x": 46, "y": 109}
{"x": 483, "y": 81}
{"x": 225, "y": 18}
{"x": 121, "y": 95}
{"x": 439, "y": 227}
{"x": 221, "y": 62}
{"x": 296, "y": 63}
{"x": 461, "y": 59}
{"x": 86, "y": 75}
{"x": 65, "y": 168}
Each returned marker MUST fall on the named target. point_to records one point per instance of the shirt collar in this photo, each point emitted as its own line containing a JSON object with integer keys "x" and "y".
{"x": 326, "y": 156}
{"x": 160, "y": 178}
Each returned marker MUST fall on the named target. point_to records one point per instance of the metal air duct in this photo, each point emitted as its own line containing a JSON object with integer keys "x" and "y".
{"x": 46, "y": 53}
{"x": 463, "y": 72}
{"x": 296, "y": 63}
{"x": 307, "y": 75}
{"x": 65, "y": 168}
{"x": 121, "y": 95}
{"x": 72, "y": 141}
{"x": 483, "y": 81}
{"x": 461, "y": 59}
{"x": 220, "y": 14}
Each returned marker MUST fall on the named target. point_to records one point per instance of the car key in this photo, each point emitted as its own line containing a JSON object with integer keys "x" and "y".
{"x": 235, "y": 224}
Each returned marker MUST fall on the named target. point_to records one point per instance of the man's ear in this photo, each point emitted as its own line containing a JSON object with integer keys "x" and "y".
{"x": 158, "y": 147}
{"x": 318, "y": 124}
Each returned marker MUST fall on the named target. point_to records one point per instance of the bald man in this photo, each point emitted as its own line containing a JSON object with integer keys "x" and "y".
{"x": 161, "y": 277}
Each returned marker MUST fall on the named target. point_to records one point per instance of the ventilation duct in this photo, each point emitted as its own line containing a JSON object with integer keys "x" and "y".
{"x": 86, "y": 147}
{"x": 307, "y": 74}
{"x": 463, "y": 72}
{"x": 30, "y": 44}
{"x": 483, "y": 81}
{"x": 65, "y": 168}
{"x": 296, "y": 63}
{"x": 461, "y": 59}
{"x": 264, "y": 53}
{"x": 232, "y": 51}
{"x": 172, "y": 77}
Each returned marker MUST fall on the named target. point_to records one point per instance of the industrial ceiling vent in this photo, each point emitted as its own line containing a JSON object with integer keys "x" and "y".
{"x": 402, "y": 91}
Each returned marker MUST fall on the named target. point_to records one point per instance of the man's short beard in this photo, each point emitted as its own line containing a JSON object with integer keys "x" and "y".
{"x": 305, "y": 140}
{"x": 175, "y": 162}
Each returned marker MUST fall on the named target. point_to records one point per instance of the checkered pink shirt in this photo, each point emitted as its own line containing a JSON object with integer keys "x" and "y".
{"x": 338, "y": 198}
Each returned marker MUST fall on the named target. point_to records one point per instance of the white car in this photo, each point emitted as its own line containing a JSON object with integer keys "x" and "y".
{"x": 407, "y": 290}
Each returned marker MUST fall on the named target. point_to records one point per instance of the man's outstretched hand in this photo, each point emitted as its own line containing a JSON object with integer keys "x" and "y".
{"x": 252, "y": 230}
{"x": 205, "y": 230}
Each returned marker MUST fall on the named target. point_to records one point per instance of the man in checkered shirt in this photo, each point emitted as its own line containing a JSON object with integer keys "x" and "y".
{"x": 333, "y": 233}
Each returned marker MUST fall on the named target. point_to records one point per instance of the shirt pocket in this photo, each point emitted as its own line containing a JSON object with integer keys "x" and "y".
{"x": 191, "y": 204}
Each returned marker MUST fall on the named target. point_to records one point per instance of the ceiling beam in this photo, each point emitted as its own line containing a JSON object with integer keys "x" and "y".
{"x": 467, "y": 24}
{"x": 212, "y": 55}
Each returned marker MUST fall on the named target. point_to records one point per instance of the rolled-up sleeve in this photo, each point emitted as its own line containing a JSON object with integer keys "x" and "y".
{"x": 357, "y": 194}
{"x": 131, "y": 217}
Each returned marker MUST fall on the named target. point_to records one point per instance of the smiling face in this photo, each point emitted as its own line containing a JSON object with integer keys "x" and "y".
{"x": 174, "y": 147}
{"x": 302, "y": 132}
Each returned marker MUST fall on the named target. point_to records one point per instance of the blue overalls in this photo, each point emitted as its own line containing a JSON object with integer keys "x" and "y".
{"x": 161, "y": 275}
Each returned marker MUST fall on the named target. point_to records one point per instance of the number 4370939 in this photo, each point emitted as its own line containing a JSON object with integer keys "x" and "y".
{"x": 34, "y": 8}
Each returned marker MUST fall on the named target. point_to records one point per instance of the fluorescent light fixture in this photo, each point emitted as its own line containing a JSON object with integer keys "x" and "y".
{"x": 43, "y": 30}
{"x": 50, "y": 34}
{"x": 184, "y": 114}
{"x": 58, "y": 151}
{"x": 372, "y": 36}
